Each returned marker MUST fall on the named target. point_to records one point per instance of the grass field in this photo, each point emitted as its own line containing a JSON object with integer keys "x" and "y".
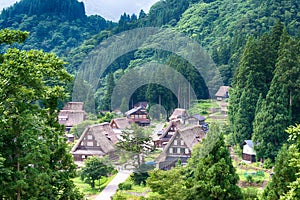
{"x": 86, "y": 188}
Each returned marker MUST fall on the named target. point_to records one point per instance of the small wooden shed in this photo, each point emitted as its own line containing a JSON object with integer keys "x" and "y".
{"x": 249, "y": 154}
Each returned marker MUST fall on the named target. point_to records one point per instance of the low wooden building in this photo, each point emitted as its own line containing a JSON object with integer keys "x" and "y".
{"x": 139, "y": 116}
{"x": 96, "y": 140}
{"x": 72, "y": 114}
{"x": 180, "y": 147}
{"x": 249, "y": 154}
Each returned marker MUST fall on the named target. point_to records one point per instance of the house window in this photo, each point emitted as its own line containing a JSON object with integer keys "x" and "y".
{"x": 171, "y": 150}
{"x": 90, "y": 144}
{"x": 90, "y": 137}
{"x": 83, "y": 156}
{"x": 181, "y": 142}
{"x": 186, "y": 151}
{"x": 178, "y": 150}
{"x": 175, "y": 142}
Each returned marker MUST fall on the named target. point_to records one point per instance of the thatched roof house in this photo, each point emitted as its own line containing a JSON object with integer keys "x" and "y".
{"x": 120, "y": 123}
{"x": 222, "y": 93}
{"x": 165, "y": 135}
{"x": 180, "y": 146}
{"x": 179, "y": 113}
{"x": 96, "y": 140}
{"x": 72, "y": 114}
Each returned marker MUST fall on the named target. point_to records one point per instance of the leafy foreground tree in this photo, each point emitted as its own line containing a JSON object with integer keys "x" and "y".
{"x": 94, "y": 169}
{"x": 212, "y": 173}
{"x": 294, "y": 162}
{"x": 35, "y": 163}
{"x": 284, "y": 174}
{"x": 135, "y": 141}
{"x": 167, "y": 184}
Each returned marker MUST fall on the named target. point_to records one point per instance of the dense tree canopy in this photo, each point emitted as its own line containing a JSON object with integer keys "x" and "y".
{"x": 35, "y": 163}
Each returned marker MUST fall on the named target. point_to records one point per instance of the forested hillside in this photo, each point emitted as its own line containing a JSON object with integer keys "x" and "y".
{"x": 54, "y": 26}
{"x": 221, "y": 27}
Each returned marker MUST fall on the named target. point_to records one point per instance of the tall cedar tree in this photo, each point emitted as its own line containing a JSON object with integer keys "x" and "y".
{"x": 213, "y": 175}
{"x": 259, "y": 59}
{"x": 110, "y": 84}
{"x": 35, "y": 163}
{"x": 275, "y": 114}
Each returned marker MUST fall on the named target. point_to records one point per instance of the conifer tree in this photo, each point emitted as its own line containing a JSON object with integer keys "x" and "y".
{"x": 276, "y": 114}
{"x": 110, "y": 84}
{"x": 213, "y": 175}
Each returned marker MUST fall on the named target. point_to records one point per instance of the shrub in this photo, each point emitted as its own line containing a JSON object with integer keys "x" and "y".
{"x": 139, "y": 177}
{"x": 125, "y": 186}
{"x": 250, "y": 193}
{"x": 268, "y": 163}
{"x": 249, "y": 178}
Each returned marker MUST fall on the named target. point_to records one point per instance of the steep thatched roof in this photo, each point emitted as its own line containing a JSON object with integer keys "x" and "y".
{"x": 190, "y": 135}
{"x": 72, "y": 114}
{"x": 102, "y": 135}
{"x": 174, "y": 123}
{"x": 222, "y": 92}
{"x": 121, "y": 123}
{"x": 179, "y": 113}
{"x": 74, "y": 106}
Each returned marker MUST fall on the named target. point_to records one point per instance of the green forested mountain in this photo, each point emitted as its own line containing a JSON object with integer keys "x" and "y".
{"x": 220, "y": 26}
{"x": 54, "y": 26}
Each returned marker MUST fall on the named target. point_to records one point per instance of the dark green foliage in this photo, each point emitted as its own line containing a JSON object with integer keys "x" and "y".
{"x": 70, "y": 8}
{"x": 94, "y": 168}
{"x": 213, "y": 175}
{"x": 276, "y": 112}
{"x": 55, "y": 25}
{"x": 139, "y": 177}
{"x": 110, "y": 84}
{"x": 125, "y": 186}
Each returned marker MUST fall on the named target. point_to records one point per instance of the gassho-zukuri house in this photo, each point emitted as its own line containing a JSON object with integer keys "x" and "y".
{"x": 180, "y": 147}
{"x": 96, "y": 140}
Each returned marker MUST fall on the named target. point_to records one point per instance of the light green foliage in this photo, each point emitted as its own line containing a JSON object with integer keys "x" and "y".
{"x": 10, "y": 36}
{"x": 36, "y": 163}
{"x": 168, "y": 184}
{"x": 135, "y": 141}
{"x": 294, "y": 162}
{"x": 94, "y": 168}
{"x": 284, "y": 174}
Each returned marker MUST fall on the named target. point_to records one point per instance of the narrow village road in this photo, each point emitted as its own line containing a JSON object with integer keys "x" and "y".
{"x": 112, "y": 187}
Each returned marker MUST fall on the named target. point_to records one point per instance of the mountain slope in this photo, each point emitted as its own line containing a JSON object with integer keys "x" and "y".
{"x": 54, "y": 25}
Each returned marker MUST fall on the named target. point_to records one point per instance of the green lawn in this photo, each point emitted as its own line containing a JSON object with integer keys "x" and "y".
{"x": 86, "y": 188}
{"x": 134, "y": 193}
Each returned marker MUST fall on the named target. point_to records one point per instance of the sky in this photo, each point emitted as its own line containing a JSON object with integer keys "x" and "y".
{"x": 109, "y": 9}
